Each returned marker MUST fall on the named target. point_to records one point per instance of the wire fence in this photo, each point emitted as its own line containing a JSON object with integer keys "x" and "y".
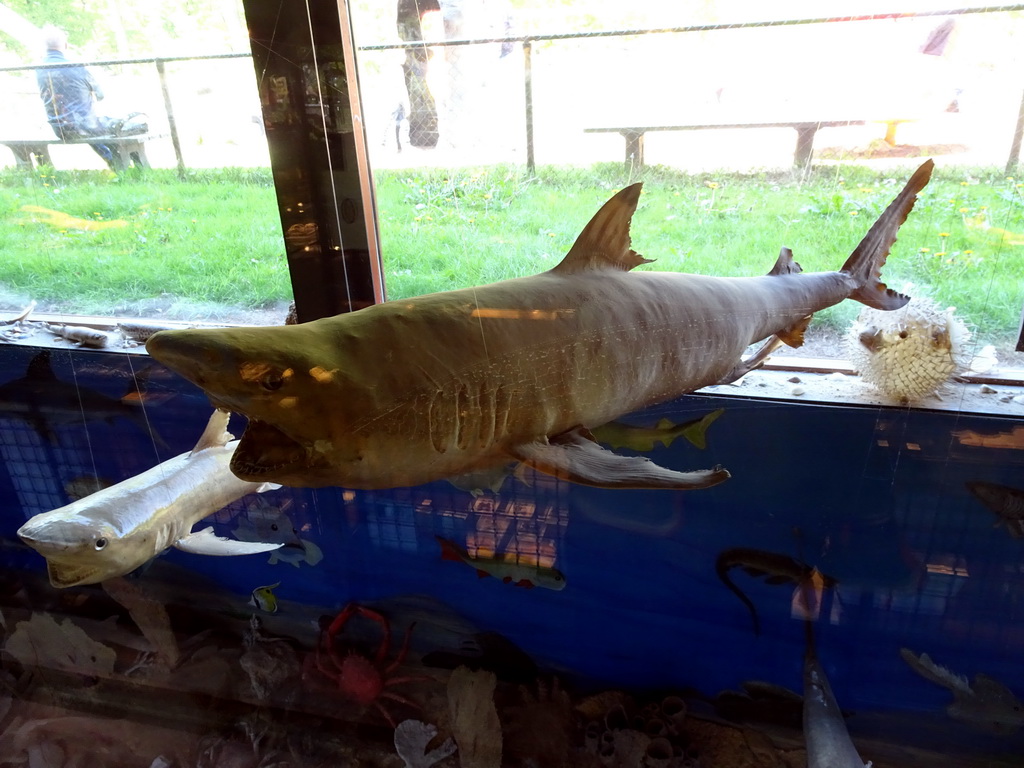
{"x": 850, "y": 87}
{"x": 206, "y": 108}
{"x": 572, "y": 97}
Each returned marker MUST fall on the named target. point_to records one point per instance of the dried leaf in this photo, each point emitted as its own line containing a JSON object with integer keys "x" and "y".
{"x": 150, "y": 617}
{"x": 42, "y": 642}
{"x": 474, "y": 717}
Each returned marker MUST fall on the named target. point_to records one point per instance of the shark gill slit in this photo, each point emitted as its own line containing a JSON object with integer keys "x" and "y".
{"x": 461, "y": 414}
{"x": 480, "y": 324}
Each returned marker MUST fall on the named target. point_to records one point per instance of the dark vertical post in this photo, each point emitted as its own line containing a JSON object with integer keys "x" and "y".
{"x": 171, "y": 123}
{"x": 423, "y": 125}
{"x": 1018, "y": 133}
{"x": 804, "y": 144}
{"x": 309, "y": 92}
{"x": 531, "y": 164}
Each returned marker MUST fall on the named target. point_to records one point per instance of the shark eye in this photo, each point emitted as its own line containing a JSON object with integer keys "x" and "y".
{"x": 272, "y": 381}
{"x": 100, "y": 543}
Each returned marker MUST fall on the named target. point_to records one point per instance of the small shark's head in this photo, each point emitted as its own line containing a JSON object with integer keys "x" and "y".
{"x": 77, "y": 551}
{"x": 271, "y": 376}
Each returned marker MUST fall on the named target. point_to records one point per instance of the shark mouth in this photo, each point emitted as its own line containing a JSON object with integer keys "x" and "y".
{"x": 266, "y": 453}
{"x": 67, "y": 574}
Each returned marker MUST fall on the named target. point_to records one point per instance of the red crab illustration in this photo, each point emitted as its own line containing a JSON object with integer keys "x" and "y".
{"x": 361, "y": 678}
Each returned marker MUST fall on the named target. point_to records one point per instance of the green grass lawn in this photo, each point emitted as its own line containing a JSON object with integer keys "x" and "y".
{"x": 88, "y": 242}
{"x": 963, "y": 245}
{"x": 92, "y": 243}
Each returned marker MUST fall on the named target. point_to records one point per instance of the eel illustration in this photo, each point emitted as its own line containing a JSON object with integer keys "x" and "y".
{"x": 416, "y": 390}
{"x": 775, "y": 567}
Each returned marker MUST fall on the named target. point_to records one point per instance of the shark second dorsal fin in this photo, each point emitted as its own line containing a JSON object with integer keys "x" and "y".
{"x": 785, "y": 265}
{"x": 216, "y": 433}
{"x": 604, "y": 242}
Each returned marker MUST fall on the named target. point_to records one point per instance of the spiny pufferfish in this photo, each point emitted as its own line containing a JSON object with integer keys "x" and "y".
{"x": 910, "y": 352}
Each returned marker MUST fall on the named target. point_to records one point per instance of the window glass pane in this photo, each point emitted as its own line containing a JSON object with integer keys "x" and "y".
{"x": 490, "y": 156}
{"x": 88, "y": 228}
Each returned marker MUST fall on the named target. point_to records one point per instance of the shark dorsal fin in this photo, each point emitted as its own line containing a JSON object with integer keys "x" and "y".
{"x": 604, "y": 242}
{"x": 785, "y": 265}
{"x": 216, "y": 433}
{"x": 39, "y": 367}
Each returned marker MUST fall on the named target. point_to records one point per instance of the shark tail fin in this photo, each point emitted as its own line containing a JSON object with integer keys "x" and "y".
{"x": 865, "y": 263}
{"x": 697, "y": 434}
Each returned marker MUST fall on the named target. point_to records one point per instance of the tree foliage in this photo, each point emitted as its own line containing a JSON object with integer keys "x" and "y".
{"x": 120, "y": 29}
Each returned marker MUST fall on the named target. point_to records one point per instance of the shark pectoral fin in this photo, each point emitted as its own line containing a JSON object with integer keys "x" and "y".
{"x": 572, "y": 456}
{"x": 264, "y": 487}
{"x": 206, "y": 542}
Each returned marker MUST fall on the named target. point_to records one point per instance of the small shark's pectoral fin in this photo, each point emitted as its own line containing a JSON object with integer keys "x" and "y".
{"x": 572, "y": 456}
{"x": 206, "y": 542}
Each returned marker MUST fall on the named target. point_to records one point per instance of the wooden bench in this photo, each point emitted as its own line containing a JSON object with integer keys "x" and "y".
{"x": 126, "y": 150}
{"x": 805, "y": 130}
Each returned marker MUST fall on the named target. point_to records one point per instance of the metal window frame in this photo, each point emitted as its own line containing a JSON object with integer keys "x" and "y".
{"x": 304, "y": 56}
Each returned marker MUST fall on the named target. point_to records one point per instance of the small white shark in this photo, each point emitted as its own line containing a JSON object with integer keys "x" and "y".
{"x": 117, "y": 529}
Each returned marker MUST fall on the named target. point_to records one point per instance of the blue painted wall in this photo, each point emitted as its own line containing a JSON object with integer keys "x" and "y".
{"x": 874, "y": 497}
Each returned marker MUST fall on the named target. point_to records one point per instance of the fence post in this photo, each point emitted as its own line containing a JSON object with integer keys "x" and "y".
{"x": 531, "y": 164}
{"x": 170, "y": 117}
{"x": 1018, "y": 133}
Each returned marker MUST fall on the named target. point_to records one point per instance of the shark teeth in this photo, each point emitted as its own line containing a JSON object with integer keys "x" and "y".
{"x": 264, "y": 449}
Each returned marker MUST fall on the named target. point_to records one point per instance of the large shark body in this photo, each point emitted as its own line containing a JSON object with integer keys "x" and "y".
{"x": 437, "y": 386}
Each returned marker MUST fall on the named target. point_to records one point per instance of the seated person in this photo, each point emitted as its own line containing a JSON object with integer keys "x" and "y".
{"x": 69, "y": 95}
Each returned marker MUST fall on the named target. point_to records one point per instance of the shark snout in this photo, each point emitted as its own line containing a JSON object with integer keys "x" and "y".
{"x": 188, "y": 354}
{"x": 46, "y": 538}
